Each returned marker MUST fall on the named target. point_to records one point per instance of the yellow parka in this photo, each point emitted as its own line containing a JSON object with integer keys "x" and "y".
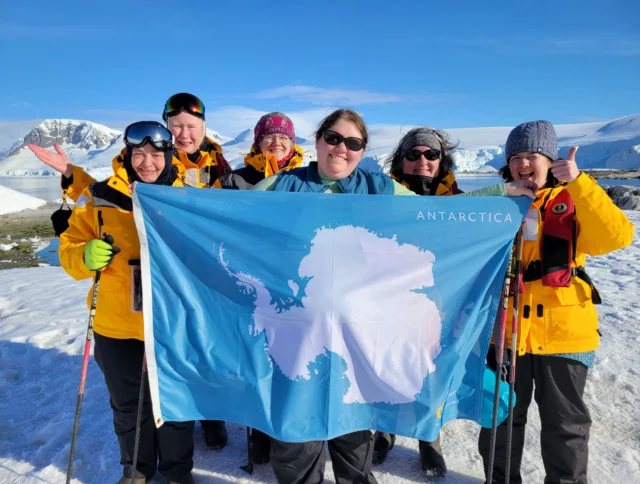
{"x": 115, "y": 317}
{"x": 207, "y": 167}
{"x": 258, "y": 166}
{"x": 74, "y": 186}
{"x": 557, "y": 320}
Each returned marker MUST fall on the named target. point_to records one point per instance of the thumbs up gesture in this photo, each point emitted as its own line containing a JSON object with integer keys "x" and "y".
{"x": 566, "y": 170}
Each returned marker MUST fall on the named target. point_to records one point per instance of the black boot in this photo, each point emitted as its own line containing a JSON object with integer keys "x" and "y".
{"x": 383, "y": 443}
{"x": 183, "y": 479}
{"x": 260, "y": 447}
{"x": 431, "y": 458}
{"x": 215, "y": 433}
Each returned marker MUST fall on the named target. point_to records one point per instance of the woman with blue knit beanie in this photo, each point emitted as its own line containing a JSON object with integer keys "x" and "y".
{"x": 572, "y": 217}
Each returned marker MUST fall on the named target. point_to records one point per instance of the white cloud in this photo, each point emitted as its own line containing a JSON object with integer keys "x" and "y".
{"x": 23, "y": 104}
{"x": 231, "y": 120}
{"x": 320, "y": 95}
{"x": 344, "y": 97}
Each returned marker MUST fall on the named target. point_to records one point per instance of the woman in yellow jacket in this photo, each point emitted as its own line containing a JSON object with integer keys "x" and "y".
{"x": 571, "y": 218}
{"x": 118, "y": 326}
{"x": 198, "y": 160}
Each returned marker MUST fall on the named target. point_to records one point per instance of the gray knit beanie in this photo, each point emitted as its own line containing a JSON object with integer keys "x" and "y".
{"x": 421, "y": 137}
{"x": 534, "y": 137}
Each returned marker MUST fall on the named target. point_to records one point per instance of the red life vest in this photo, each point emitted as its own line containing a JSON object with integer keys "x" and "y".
{"x": 558, "y": 247}
{"x": 558, "y": 241}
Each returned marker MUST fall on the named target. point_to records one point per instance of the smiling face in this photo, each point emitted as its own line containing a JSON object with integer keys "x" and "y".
{"x": 278, "y": 145}
{"x": 421, "y": 166}
{"x": 338, "y": 162}
{"x": 147, "y": 162}
{"x": 530, "y": 166}
{"x": 187, "y": 131}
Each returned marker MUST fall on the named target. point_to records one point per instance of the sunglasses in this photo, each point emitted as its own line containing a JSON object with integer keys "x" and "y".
{"x": 138, "y": 134}
{"x": 334, "y": 139}
{"x": 414, "y": 155}
{"x": 183, "y": 102}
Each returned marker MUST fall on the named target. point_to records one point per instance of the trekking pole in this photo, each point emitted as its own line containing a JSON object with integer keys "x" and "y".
{"x": 499, "y": 351}
{"x": 514, "y": 351}
{"x": 136, "y": 446}
{"x": 248, "y": 468}
{"x": 85, "y": 360}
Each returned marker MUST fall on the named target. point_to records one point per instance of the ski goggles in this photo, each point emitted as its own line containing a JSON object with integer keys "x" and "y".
{"x": 138, "y": 134}
{"x": 414, "y": 155}
{"x": 334, "y": 139}
{"x": 183, "y": 102}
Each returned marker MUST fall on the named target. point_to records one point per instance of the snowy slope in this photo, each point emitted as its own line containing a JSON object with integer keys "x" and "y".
{"x": 13, "y": 201}
{"x": 42, "y": 329}
{"x": 217, "y": 137}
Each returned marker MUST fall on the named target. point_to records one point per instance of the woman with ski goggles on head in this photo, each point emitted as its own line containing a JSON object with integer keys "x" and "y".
{"x": 572, "y": 217}
{"x": 102, "y": 237}
{"x": 201, "y": 157}
{"x": 340, "y": 143}
{"x": 274, "y": 149}
{"x": 422, "y": 162}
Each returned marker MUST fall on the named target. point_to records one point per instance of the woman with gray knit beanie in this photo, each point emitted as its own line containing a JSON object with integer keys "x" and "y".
{"x": 423, "y": 163}
{"x": 572, "y": 217}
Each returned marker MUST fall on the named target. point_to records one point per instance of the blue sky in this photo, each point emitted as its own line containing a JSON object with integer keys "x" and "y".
{"x": 444, "y": 64}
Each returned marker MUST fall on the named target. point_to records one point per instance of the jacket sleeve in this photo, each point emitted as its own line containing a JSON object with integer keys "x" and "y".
{"x": 76, "y": 183}
{"x": 73, "y": 240}
{"x": 490, "y": 191}
{"x": 266, "y": 185}
{"x": 603, "y": 227}
{"x": 400, "y": 189}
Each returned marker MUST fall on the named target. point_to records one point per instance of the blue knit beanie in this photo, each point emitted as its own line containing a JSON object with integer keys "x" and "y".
{"x": 534, "y": 137}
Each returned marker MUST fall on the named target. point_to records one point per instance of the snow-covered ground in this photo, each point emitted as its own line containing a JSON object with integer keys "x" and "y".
{"x": 42, "y": 330}
{"x": 13, "y": 201}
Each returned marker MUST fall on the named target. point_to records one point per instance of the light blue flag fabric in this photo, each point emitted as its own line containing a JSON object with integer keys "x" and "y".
{"x": 309, "y": 316}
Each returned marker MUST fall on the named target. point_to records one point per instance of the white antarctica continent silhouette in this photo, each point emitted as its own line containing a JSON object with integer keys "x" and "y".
{"x": 360, "y": 303}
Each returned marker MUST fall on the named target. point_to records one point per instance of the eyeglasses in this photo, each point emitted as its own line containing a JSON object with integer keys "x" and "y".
{"x": 280, "y": 139}
{"x": 138, "y": 134}
{"x": 183, "y": 102}
{"x": 414, "y": 155}
{"x": 334, "y": 139}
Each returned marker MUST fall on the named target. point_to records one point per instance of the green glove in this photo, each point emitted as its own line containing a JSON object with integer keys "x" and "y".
{"x": 98, "y": 254}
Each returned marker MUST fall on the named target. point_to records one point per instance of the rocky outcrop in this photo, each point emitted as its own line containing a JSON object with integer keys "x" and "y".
{"x": 624, "y": 196}
{"x": 82, "y": 134}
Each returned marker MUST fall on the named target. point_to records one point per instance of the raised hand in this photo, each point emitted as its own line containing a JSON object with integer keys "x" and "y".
{"x": 528, "y": 188}
{"x": 566, "y": 170}
{"x": 59, "y": 161}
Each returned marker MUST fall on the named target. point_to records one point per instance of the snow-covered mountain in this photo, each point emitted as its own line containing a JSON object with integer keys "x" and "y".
{"x": 83, "y": 135}
{"x": 217, "y": 137}
{"x": 609, "y": 144}
{"x": 5, "y": 152}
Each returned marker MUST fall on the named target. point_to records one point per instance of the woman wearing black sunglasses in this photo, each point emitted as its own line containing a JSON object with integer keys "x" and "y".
{"x": 340, "y": 143}
{"x": 423, "y": 163}
{"x": 106, "y": 208}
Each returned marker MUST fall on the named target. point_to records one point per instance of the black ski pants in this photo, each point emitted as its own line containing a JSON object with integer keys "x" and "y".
{"x": 557, "y": 384}
{"x": 303, "y": 463}
{"x": 169, "y": 448}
